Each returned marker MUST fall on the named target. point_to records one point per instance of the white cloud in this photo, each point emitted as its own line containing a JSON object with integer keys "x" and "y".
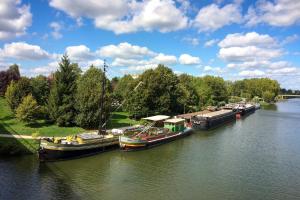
{"x": 79, "y": 53}
{"x": 56, "y": 28}
{"x": 252, "y": 73}
{"x": 277, "y": 13}
{"x": 210, "y": 43}
{"x": 213, "y": 17}
{"x": 14, "y": 18}
{"x": 249, "y": 47}
{"x": 125, "y": 16}
{"x": 44, "y": 70}
{"x": 249, "y": 53}
{"x": 192, "y": 41}
{"x": 248, "y": 39}
{"x": 125, "y": 50}
{"x": 284, "y": 71}
{"x": 290, "y": 39}
{"x": 186, "y": 59}
{"x": 208, "y": 68}
{"x": 22, "y": 50}
{"x": 165, "y": 59}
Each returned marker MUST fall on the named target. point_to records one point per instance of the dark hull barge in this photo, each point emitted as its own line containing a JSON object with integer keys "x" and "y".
{"x": 246, "y": 109}
{"x": 212, "y": 119}
{"x": 75, "y": 147}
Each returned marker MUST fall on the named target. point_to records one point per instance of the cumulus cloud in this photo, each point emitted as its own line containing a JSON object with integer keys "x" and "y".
{"x": 214, "y": 17}
{"x": 192, "y": 41}
{"x": 79, "y": 53}
{"x": 15, "y": 18}
{"x": 165, "y": 59}
{"x": 22, "y": 50}
{"x": 56, "y": 28}
{"x": 124, "y": 50}
{"x": 186, "y": 59}
{"x": 125, "y": 16}
{"x": 275, "y": 13}
{"x": 208, "y": 68}
{"x": 210, "y": 43}
{"x": 252, "y": 73}
{"x": 248, "y": 47}
{"x": 248, "y": 39}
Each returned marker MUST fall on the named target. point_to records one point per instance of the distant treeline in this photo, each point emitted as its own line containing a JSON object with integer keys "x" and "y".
{"x": 69, "y": 97}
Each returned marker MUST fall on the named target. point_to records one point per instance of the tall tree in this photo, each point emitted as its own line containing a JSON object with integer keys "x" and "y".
{"x": 88, "y": 97}
{"x": 40, "y": 89}
{"x": 61, "y": 103}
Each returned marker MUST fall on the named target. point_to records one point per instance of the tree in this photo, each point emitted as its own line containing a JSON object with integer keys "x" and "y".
{"x": 61, "y": 102}
{"x": 12, "y": 74}
{"x": 268, "y": 96}
{"x": 28, "y": 109}
{"x": 40, "y": 89}
{"x": 16, "y": 91}
{"x": 88, "y": 97}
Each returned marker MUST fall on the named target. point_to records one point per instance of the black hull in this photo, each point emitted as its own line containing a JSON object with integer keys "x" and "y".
{"x": 160, "y": 142}
{"x": 56, "y": 155}
{"x": 212, "y": 123}
{"x": 244, "y": 112}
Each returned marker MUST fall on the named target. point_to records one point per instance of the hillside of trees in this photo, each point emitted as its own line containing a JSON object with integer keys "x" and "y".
{"x": 70, "y": 97}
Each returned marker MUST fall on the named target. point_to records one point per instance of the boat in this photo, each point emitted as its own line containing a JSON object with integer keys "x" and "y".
{"x": 161, "y": 129}
{"x": 257, "y": 106}
{"x": 212, "y": 119}
{"x": 245, "y": 109}
{"x": 85, "y": 144}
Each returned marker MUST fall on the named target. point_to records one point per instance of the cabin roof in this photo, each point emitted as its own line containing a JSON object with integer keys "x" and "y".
{"x": 175, "y": 120}
{"x": 215, "y": 113}
{"x": 157, "y": 118}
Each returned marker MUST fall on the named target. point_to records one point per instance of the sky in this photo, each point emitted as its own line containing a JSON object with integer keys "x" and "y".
{"x": 233, "y": 39}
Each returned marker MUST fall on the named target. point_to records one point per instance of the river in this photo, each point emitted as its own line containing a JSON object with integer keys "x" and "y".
{"x": 257, "y": 157}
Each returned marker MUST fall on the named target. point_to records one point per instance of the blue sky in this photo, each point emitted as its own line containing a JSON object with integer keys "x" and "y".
{"x": 233, "y": 39}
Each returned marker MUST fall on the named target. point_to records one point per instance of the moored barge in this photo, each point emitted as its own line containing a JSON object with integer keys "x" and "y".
{"x": 212, "y": 119}
{"x": 245, "y": 109}
{"x": 161, "y": 130}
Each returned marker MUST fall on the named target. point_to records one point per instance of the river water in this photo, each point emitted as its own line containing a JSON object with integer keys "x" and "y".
{"x": 257, "y": 157}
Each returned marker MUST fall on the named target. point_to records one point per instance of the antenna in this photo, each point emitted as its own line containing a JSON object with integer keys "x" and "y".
{"x": 102, "y": 99}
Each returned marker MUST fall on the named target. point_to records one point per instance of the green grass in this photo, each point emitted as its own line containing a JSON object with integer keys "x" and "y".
{"x": 120, "y": 119}
{"x": 10, "y": 125}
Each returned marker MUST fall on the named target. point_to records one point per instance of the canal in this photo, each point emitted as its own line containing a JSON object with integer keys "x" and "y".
{"x": 257, "y": 157}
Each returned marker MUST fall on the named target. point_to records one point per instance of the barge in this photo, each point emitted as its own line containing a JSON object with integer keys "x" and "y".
{"x": 160, "y": 130}
{"x": 53, "y": 149}
{"x": 212, "y": 119}
{"x": 245, "y": 109}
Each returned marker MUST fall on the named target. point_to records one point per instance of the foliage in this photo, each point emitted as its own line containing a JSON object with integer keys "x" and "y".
{"x": 16, "y": 91}
{"x": 88, "y": 97}
{"x": 268, "y": 96}
{"x": 28, "y": 110}
{"x": 12, "y": 74}
{"x": 61, "y": 102}
{"x": 159, "y": 93}
{"x": 40, "y": 89}
{"x": 122, "y": 87}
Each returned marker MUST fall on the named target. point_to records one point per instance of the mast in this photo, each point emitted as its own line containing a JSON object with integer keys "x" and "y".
{"x": 102, "y": 99}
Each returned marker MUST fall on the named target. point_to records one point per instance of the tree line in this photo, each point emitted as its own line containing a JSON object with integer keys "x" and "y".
{"x": 70, "y": 97}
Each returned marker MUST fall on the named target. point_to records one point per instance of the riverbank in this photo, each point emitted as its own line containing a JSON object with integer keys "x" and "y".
{"x": 11, "y": 126}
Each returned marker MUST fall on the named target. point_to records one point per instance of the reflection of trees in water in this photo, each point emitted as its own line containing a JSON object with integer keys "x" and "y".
{"x": 269, "y": 107}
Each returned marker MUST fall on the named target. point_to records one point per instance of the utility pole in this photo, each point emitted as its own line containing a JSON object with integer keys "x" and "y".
{"x": 102, "y": 99}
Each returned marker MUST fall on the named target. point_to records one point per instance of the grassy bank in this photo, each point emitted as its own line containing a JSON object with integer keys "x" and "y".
{"x": 10, "y": 125}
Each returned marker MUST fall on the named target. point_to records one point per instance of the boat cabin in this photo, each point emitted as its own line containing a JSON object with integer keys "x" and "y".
{"x": 175, "y": 124}
{"x": 157, "y": 120}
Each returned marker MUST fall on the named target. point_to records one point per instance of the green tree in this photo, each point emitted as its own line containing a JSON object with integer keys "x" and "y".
{"x": 268, "y": 96}
{"x": 16, "y": 91}
{"x": 28, "y": 110}
{"x": 12, "y": 74}
{"x": 40, "y": 89}
{"x": 88, "y": 97}
{"x": 61, "y": 102}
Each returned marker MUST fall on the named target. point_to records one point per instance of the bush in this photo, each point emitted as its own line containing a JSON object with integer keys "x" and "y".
{"x": 28, "y": 110}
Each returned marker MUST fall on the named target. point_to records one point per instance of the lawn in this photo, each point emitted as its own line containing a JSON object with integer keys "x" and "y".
{"x": 10, "y": 125}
